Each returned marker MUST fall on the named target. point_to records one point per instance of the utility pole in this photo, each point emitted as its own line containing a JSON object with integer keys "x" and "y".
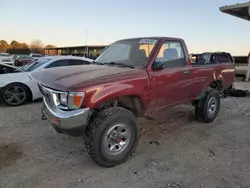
{"x": 86, "y": 39}
{"x": 86, "y": 43}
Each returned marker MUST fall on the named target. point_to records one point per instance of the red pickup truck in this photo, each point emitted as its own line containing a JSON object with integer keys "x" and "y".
{"x": 130, "y": 78}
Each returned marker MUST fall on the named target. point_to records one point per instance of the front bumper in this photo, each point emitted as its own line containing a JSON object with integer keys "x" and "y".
{"x": 72, "y": 123}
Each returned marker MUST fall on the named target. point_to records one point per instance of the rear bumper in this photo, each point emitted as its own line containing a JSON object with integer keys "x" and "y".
{"x": 72, "y": 123}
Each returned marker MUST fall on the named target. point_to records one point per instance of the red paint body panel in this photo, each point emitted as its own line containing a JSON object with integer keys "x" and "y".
{"x": 157, "y": 89}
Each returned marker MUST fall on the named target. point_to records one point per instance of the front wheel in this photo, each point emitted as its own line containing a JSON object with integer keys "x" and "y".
{"x": 208, "y": 107}
{"x": 14, "y": 94}
{"x": 113, "y": 136}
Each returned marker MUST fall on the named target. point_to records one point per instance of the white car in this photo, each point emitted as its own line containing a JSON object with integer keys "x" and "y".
{"x": 7, "y": 58}
{"x": 35, "y": 56}
{"x": 16, "y": 87}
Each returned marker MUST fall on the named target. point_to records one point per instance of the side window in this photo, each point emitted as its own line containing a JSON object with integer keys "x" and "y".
{"x": 224, "y": 58}
{"x": 72, "y": 62}
{"x": 171, "y": 54}
{"x": 58, "y": 63}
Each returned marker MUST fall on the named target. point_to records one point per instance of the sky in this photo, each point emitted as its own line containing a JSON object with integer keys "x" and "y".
{"x": 80, "y": 22}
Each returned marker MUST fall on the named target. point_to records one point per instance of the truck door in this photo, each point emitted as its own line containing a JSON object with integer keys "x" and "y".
{"x": 170, "y": 85}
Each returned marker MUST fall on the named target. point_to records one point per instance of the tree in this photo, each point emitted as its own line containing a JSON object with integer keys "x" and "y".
{"x": 3, "y": 46}
{"x": 36, "y": 44}
{"x": 14, "y": 44}
{"x": 23, "y": 45}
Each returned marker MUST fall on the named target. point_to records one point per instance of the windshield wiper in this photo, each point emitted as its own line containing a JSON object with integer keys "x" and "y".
{"x": 121, "y": 64}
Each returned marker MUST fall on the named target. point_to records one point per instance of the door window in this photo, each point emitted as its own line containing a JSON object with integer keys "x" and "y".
{"x": 72, "y": 62}
{"x": 59, "y": 63}
{"x": 171, "y": 54}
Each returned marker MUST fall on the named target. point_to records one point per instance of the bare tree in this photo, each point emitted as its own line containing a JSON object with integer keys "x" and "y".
{"x": 50, "y": 46}
{"x": 36, "y": 44}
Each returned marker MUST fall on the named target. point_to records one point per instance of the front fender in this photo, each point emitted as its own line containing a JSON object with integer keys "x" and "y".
{"x": 94, "y": 98}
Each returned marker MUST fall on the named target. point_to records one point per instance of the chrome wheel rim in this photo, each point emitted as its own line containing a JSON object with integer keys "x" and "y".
{"x": 15, "y": 95}
{"x": 116, "y": 139}
{"x": 212, "y": 105}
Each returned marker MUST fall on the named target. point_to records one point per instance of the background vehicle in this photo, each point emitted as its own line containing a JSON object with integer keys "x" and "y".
{"x": 131, "y": 78}
{"x": 241, "y": 65}
{"x": 23, "y": 60}
{"x": 211, "y": 58}
{"x": 17, "y": 88}
{"x": 5, "y": 69}
{"x": 7, "y": 58}
{"x": 36, "y": 56}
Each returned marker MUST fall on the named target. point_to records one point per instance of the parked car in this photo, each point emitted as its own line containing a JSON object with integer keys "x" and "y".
{"x": 22, "y": 60}
{"x": 211, "y": 58}
{"x": 131, "y": 78}
{"x": 36, "y": 56}
{"x": 241, "y": 65}
{"x": 17, "y": 87}
{"x": 7, "y": 58}
{"x": 6, "y": 69}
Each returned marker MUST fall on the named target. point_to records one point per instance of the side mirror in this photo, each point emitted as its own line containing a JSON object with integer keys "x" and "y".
{"x": 158, "y": 65}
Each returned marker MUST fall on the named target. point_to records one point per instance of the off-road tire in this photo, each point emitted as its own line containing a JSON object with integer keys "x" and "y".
{"x": 100, "y": 123}
{"x": 201, "y": 110}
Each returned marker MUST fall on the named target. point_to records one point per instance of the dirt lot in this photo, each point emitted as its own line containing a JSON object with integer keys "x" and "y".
{"x": 175, "y": 151}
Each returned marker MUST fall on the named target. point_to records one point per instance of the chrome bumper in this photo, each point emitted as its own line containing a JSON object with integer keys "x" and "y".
{"x": 72, "y": 122}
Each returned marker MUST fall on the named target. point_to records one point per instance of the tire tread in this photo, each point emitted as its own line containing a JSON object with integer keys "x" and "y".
{"x": 94, "y": 125}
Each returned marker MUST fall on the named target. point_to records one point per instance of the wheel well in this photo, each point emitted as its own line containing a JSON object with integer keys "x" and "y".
{"x": 30, "y": 96}
{"x": 130, "y": 102}
{"x": 217, "y": 84}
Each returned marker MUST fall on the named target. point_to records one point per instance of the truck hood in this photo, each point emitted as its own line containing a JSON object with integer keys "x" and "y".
{"x": 75, "y": 77}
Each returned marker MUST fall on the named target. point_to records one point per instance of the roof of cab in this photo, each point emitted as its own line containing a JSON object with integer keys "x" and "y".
{"x": 154, "y": 38}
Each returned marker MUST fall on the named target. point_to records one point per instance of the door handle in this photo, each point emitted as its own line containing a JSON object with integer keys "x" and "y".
{"x": 186, "y": 72}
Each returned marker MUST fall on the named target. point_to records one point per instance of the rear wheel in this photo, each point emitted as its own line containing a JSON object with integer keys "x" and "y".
{"x": 208, "y": 108}
{"x": 112, "y": 137}
{"x": 14, "y": 94}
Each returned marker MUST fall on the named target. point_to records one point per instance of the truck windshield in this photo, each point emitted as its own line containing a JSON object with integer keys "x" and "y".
{"x": 131, "y": 52}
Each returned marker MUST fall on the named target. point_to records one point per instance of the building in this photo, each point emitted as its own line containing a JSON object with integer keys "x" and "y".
{"x": 240, "y": 10}
{"x": 87, "y": 51}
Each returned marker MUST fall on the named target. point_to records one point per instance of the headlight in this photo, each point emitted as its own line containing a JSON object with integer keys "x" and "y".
{"x": 63, "y": 99}
{"x": 69, "y": 100}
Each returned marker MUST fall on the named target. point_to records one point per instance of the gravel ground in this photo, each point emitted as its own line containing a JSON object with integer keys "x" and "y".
{"x": 174, "y": 151}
